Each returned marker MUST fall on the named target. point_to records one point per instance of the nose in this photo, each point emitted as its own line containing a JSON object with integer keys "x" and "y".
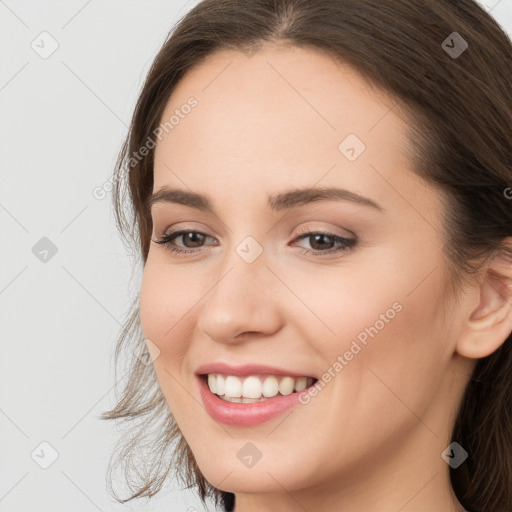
{"x": 243, "y": 303}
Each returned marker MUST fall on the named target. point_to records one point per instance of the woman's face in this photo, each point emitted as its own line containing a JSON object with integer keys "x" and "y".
{"x": 256, "y": 289}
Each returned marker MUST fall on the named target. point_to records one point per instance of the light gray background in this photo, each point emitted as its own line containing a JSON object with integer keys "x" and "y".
{"x": 62, "y": 122}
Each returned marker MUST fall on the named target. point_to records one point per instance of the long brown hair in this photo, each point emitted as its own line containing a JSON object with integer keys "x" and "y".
{"x": 460, "y": 112}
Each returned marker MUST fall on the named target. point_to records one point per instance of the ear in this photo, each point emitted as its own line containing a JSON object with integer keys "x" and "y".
{"x": 490, "y": 323}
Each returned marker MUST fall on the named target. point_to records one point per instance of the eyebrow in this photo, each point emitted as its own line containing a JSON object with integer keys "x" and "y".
{"x": 277, "y": 202}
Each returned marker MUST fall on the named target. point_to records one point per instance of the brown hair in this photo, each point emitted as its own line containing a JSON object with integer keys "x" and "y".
{"x": 460, "y": 115}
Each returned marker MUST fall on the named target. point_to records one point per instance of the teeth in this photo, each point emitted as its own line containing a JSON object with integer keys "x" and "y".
{"x": 286, "y": 385}
{"x": 212, "y": 383}
{"x": 255, "y": 388}
{"x": 270, "y": 387}
{"x": 232, "y": 387}
{"x": 251, "y": 388}
{"x": 241, "y": 400}
{"x": 220, "y": 384}
{"x": 300, "y": 383}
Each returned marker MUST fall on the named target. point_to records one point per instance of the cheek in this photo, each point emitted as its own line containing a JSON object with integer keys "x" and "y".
{"x": 165, "y": 303}
{"x": 383, "y": 317}
{"x": 166, "y": 298}
{"x": 338, "y": 306}
{"x": 391, "y": 338}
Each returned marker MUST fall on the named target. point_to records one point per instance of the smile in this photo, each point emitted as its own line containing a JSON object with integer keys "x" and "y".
{"x": 248, "y": 395}
{"x": 254, "y": 388}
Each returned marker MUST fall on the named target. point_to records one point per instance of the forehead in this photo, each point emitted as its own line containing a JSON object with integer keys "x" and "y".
{"x": 284, "y": 115}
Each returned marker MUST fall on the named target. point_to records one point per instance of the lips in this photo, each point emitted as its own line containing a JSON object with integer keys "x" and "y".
{"x": 248, "y": 369}
{"x": 246, "y": 412}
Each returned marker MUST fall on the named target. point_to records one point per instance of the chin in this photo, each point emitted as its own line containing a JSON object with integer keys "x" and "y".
{"x": 248, "y": 482}
{"x": 231, "y": 475}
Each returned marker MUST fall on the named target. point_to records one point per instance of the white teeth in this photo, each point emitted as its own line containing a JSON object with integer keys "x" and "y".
{"x": 232, "y": 386}
{"x": 286, "y": 385}
{"x": 220, "y": 384}
{"x": 212, "y": 383}
{"x": 255, "y": 388}
{"x": 270, "y": 387}
{"x": 251, "y": 388}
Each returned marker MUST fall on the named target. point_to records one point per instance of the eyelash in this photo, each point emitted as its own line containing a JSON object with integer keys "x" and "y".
{"x": 345, "y": 243}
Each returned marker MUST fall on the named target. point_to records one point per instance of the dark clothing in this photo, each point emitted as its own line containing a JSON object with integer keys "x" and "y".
{"x": 228, "y": 502}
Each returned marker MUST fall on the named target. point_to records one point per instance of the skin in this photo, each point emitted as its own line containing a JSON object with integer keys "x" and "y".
{"x": 372, "y": 438}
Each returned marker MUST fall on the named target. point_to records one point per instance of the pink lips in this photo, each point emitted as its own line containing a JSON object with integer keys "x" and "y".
{"x": 239, "y": 414}
{"x": 246, "y": 369}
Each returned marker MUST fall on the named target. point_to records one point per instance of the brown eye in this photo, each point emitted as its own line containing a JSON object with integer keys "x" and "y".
{"x": 190, "y": 240}
{"x": 321, "y": 241}
{"x": 193, "y": 239}
{"x": 325, "y": 243}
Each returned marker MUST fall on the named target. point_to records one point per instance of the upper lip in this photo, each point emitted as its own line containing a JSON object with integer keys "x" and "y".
{"x": 247, "y": 369}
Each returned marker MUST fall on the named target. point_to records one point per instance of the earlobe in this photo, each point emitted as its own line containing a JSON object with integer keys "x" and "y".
{"x": 490, "y": 323}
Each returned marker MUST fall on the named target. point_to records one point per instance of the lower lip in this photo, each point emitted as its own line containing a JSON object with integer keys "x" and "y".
{"x": 244, "y": 415}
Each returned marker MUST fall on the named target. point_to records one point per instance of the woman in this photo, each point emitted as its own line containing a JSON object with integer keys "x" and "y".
{"x": 321, "y": 199}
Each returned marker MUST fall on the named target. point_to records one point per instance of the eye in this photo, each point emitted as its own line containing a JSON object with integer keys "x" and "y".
{"x": 191, "y": 240}
{"x": 322, "y": 243}
{"x": 325, "y": 242}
